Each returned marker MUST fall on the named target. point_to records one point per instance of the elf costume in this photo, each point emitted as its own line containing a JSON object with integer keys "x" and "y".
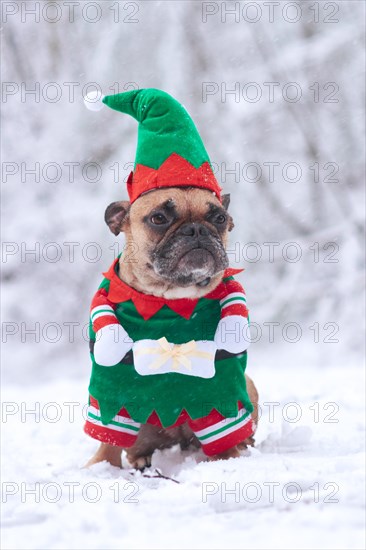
{"x": 162, "y": 361}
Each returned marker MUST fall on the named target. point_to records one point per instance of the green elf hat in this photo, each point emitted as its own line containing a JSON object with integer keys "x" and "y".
{"x": 170, "y": 152}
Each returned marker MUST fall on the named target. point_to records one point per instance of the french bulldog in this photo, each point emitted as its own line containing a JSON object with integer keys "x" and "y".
{"x": 175, "y": 248}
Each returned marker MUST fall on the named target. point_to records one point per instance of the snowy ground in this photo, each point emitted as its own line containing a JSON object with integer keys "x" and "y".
{"x": 301, "y": 487}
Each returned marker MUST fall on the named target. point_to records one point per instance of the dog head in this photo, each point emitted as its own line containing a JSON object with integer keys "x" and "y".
{"x": 175, "y": 241}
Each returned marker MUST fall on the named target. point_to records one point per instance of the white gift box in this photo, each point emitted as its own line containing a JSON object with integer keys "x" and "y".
{"x": 195, "y": 358}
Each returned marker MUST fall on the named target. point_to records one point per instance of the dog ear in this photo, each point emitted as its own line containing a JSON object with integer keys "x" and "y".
{"x": 116, "y": 215}
{"x": 225, "y": 200}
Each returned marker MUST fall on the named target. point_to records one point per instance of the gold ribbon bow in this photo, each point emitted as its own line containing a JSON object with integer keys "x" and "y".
{"x": 179, "y": 353}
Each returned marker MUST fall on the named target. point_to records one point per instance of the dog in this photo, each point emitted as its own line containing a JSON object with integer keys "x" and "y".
{"x": 175, "y": 249}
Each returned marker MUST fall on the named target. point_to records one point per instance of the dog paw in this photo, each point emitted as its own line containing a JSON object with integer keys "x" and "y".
{"x": 140, "y": 462}
{"x": 249, "y": 442}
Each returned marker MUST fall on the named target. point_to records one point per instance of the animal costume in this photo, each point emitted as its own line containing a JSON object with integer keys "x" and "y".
{"x": 162, "y": 361}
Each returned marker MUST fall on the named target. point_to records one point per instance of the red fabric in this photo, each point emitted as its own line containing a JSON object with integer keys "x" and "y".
{"x": 231, "y": 271}
{"x": 206, "y": 421}
{"x": 234, "y": 286}
{"x": 148, "y": 305}
{"x": 230, "y": 440}
{"x": 110, "y": 436}
{"x": 174, "y": 172}
{"x": 153, "y": 418}
{"x": 101, "y": 299}
{"x": 226, "y": 287}
{"x": 145, "y": 304}
{"x": 104, "y": 321}
{"x": 94, "y": 403}
{"x": 107, "y": 434}
{"x": 121, "y": 439}
{"x": 226, "y": 442}
{"x": 235, "y": 309}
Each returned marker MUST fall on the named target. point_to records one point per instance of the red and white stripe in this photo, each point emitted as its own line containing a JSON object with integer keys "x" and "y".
{"x": 102, "y": 311}
{"x": 235, "y": 301}
{"x": 121, "y": 431}
{"x": 217, "y": 433}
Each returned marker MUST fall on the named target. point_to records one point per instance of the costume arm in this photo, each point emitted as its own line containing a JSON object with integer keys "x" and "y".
{"x": 102, "y": 311}
{"x": 232, "y": 333}
{"x": 111, "y": 339}
{"x": 235, "y": 300}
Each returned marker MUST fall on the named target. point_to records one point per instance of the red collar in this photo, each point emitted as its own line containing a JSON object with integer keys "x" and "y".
{"x": 147, "y": 305}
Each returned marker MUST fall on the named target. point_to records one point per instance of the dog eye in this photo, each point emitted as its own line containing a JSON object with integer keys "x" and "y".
{"x": 158, "y": 219}
{"x": 220, "y": 218}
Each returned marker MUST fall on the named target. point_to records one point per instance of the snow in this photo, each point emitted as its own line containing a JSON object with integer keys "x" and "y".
{"x": 300, "y": 487}
{"x": 53, "y": 202}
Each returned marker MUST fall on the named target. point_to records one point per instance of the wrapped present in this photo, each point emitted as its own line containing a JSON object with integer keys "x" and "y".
{"x": 194, "y": 358}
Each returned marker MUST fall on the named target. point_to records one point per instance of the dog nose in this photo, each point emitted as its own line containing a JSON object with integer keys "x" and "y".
{"x": 194, "y": 230}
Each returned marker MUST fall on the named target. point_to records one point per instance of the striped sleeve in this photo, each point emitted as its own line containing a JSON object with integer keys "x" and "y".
{"x": 235, "y": 301}
{"x": 102, "y": 311}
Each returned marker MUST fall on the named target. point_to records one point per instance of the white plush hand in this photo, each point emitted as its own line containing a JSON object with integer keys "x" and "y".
{"x": 111, "y": 345}
{"x": 232, "y": 334}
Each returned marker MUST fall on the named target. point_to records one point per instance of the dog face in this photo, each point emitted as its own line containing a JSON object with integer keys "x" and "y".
{"x": 180, "y": 237}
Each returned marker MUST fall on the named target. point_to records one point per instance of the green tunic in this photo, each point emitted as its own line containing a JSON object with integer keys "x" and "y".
{"x": 168, "y": 394}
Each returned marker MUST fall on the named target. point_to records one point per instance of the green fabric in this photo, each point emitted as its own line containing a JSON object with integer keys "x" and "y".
{"x": 114, "y": 423}
{"x": 168, "y": 394}
{"x": 165, "y": 127}
{"x": 226, "y": 427}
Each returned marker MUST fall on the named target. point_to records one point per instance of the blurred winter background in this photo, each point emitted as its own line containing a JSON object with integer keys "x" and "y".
{"x": 294, "y": 168}
{"x": 277, "y": 92}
